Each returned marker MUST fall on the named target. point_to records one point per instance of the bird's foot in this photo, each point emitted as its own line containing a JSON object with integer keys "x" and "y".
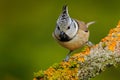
{"x": 89, "y": 44}
{"x": 67, "y": 58}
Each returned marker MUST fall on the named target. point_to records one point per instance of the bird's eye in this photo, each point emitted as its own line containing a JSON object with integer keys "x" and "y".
{"x": 68, "y": 27}
{"x": 58, "y": 28}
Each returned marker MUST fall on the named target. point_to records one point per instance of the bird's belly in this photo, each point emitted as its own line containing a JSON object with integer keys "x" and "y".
{"x": 77, "y": 42}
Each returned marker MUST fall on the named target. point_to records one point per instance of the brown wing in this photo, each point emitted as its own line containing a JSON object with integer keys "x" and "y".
{"x": 82, "y": 25}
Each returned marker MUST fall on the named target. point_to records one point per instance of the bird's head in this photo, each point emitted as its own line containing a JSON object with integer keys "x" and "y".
{"x": 66, "y": 27}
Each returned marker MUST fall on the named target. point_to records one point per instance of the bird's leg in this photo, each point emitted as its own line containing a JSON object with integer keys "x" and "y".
{"x": 89, "y": 43}
{"x": 68, "y": 56}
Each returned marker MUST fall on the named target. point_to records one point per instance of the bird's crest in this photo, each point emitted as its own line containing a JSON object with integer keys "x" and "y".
{"x": 65, "y": 9}
{"x": 64, "y": 18}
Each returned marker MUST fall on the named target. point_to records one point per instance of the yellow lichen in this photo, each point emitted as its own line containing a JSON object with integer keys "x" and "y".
{"x": 112, "y": 38}
{"x": 112, "y": 45}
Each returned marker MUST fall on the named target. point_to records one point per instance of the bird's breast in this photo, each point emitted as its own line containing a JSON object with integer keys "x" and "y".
{"x": 77, "y": 42}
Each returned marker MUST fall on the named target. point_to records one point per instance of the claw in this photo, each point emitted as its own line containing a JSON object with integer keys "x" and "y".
{"x": 89, "y": 43}
{"x": 67, "y": 57}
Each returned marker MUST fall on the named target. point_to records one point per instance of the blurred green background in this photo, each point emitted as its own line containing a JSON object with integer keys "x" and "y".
{"x": 26, "y": 26}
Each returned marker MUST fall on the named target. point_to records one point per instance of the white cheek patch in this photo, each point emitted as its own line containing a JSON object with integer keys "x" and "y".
{"x": 73, "y": 30}
{"x": 76, "y": 26}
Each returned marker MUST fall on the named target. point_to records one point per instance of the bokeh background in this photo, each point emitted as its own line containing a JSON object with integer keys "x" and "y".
{"x": 26, "y": 26}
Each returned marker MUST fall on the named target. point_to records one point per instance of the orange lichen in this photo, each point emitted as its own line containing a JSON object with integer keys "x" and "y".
{"x": 112, "y": 46}
{"x": 49, "y": 72}
{"x": 112, "y": 38}
{"x": 81, "y": 59}
{"x": 59, "y": 71}
{"x": 87, "y": 51}
{"x": 65, "y": 64}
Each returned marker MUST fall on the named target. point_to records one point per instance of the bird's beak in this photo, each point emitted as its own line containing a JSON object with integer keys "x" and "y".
{"x": 63, "y": 36}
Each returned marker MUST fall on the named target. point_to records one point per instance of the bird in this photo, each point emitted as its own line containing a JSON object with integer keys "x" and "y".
{"x": 71, "y": 33}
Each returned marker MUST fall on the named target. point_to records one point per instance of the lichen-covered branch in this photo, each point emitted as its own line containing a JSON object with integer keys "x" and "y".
{"x": 98, "y": 60}
{"x": 88, "y": 63}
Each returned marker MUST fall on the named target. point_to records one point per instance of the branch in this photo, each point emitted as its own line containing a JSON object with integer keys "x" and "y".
{"x": 88, "y": 63}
